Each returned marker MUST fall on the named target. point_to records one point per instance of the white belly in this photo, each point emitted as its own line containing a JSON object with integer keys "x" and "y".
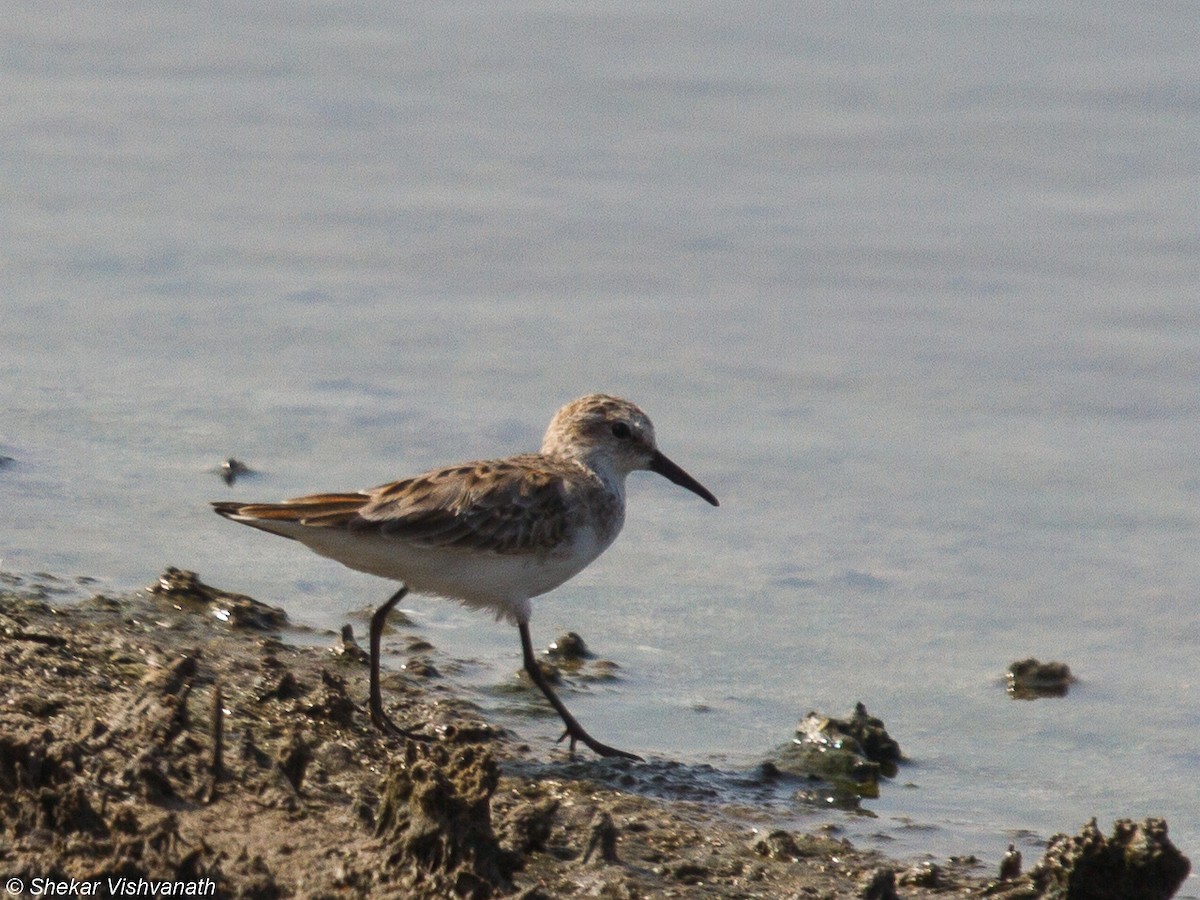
{"x": 501, "y": 582}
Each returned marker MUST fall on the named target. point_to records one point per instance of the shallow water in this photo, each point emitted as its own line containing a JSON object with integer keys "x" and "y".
{"x": 912, "y": 290}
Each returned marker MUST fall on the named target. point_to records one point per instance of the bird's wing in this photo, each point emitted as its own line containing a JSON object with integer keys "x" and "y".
{"x": 514, "y": 505}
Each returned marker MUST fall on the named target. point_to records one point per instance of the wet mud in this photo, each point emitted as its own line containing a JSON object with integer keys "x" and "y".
{"x": 177, "y": 735}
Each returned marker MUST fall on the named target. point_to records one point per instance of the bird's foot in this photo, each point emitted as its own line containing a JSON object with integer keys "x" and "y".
{"x": 381, "y": 721}
{"x": 578, "y": 734}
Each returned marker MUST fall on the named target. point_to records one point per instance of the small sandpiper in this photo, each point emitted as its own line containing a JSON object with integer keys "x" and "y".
{"x": 490, "y": 534}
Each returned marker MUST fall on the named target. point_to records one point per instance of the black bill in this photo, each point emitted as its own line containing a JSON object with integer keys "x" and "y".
{"x": 672, "y": 472}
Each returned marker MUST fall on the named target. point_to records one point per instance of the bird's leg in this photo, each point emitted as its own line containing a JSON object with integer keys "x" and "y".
{"x": 574, "y": 730}
{"x": 378, "y": 716}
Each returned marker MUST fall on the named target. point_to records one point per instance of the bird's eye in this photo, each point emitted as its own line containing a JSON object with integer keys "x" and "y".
{"x": 621, "y": 431}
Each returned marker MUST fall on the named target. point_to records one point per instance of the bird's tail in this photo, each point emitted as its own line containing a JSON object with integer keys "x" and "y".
{"x": 315, "y": 510}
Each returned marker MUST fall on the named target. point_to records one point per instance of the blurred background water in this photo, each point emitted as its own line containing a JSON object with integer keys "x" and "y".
{"x": 911, "y": 287}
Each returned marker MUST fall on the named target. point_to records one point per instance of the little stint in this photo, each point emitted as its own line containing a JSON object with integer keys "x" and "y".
{"x": 490, "y": 534}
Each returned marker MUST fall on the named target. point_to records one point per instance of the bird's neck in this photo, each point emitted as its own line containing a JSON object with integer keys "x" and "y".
{"x": 601, "y": 465}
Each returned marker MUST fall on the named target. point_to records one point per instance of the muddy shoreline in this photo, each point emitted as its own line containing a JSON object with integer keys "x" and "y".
{"x": 171, "y": 736}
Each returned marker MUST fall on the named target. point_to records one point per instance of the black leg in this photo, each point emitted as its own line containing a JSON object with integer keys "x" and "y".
{"x": 378, "y": 716}
{"x": 574, "y": 730}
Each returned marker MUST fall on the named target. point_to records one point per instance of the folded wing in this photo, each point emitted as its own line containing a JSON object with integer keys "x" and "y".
{"x": 514, "y": 505}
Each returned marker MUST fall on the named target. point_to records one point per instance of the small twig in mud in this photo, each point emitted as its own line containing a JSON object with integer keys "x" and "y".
{"x": 216, "y": 769}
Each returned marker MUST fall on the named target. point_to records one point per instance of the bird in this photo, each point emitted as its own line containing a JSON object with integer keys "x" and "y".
{"x": 491, "y": 534}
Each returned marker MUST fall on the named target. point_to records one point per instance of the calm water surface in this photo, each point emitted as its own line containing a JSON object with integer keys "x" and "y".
{"x": 912, "y": 290}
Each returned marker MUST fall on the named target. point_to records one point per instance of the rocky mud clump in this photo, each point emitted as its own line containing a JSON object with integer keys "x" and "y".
{"x": 1138, "y": 862}
{"x": 1032, "y": 679}
{"x": 851, "y": 754}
